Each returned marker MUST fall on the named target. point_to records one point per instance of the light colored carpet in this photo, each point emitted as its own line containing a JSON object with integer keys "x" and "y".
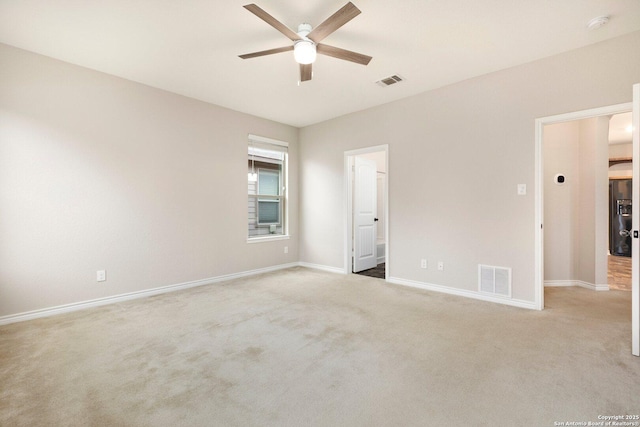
{"x": 305, "y": 347}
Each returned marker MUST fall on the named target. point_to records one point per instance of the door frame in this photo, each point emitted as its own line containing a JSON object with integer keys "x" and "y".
{"x": 540, "y": 123}
{"x": 348, "y": 205}
{"x": 635, "y": 215}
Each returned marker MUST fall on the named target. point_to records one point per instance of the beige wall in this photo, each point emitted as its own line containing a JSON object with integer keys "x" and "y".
{"x": 97, "y": 172}
{"x": 621, "y": 150}
{"x": 601, "y": 200}
{"x": 560, "y": 149}
{"x": 592, "y": 236}
{"x": 621, "y": 170}
{"x": 456, "y": 155}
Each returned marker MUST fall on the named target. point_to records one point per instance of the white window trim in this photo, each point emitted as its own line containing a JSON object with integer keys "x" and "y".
{"x": 256, "y": 138}
{"x": 285, "y": 194}
{"x": 262, "y": 239}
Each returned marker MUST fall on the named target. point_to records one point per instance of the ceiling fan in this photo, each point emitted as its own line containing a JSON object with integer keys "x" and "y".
{"x": 306, "y": 42}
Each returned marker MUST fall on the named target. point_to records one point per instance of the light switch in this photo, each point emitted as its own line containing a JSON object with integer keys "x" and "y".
{"x": 522, "y": 189}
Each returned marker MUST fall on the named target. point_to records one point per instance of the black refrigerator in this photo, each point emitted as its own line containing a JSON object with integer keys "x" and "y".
{"x": 620, "y": 217}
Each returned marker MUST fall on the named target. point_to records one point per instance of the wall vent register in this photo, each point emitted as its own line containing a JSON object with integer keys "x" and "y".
{"x": 494, "y": 280}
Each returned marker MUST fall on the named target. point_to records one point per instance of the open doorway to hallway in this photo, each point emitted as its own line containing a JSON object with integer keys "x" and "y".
{"x": 587, "y": 202}
{"x": 585, "y": 222}
{"x": 542, "y": 126}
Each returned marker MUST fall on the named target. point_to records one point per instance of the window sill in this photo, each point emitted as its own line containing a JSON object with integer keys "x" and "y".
{"x": 267, "y": 238}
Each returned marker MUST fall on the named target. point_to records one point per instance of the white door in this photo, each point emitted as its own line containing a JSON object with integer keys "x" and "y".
{"x": 635, "y": 215}
{"x": 365, "y": 207}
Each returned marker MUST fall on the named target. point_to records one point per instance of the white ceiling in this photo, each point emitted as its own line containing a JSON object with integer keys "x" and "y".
{"x": 191, "y": 47}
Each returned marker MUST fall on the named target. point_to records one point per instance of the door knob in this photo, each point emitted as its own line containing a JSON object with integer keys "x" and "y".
{"x": 375, "y": 219}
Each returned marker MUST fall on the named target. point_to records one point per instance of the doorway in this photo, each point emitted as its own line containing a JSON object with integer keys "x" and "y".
{"x": 540, "y": 125}
{"x": 366, "y": 178}
{"x": 587, "y": 202}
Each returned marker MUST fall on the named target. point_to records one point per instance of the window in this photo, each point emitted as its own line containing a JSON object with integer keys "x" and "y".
{"x": 267, "y": 180}
{"x": 268, "y": 209}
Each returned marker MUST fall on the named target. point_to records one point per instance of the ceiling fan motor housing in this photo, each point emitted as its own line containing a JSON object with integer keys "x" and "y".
{"x": 304, "y": 29}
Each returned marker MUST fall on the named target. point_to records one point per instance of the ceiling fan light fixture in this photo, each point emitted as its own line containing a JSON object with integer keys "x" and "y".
{"x": 304, "y": 51}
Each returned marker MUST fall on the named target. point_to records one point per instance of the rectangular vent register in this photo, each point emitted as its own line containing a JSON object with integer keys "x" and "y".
{"x": 390, "y": 80}
{"x": 494, "y": 280}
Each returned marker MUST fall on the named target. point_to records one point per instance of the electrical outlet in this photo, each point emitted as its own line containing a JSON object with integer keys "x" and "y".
{"x": 440, "y": 266}
{"x": 101, "y": 275}
{"x": 423, "y": 263}
{"x": 286, "y": 249}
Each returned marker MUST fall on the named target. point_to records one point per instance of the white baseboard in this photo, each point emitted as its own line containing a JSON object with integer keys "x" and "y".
{"x": 463, "y": 293}
{"x": 437, "y": 288}
{"x": 580, "y": 283}
{"x": 67, "y": 308}
{"x": 592, "y": 286}
{"x": 322, "y": 267}
{"x": 559, "y": 283}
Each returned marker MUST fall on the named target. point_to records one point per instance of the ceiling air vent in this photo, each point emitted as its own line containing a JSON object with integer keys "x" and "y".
{"x": 390, "y": 80}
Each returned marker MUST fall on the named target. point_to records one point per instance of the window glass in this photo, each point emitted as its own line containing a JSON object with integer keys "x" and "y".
{"x": 268, "y": 212}
{"x": 267, "y": 190}
{"x": 269, "y": 182}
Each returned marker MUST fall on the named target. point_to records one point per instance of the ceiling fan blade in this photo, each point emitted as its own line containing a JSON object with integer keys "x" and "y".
{"x": 347, "y": 55}
{"x": 266, "y": 52}
{"x": 335, "y": 21}
{"x": 256, "y": 10}
{"x": 305, "y": 72}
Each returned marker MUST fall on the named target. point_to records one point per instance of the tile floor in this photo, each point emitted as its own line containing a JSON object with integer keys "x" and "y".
{"x": 377, "y": 272}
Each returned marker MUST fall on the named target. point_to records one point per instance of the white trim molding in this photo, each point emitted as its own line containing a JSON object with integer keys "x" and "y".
{"x": 559, "y": 283}
{"x": 258, "y": 138}
{"x": 268, "y": 238}
{"x": 531, "y": 305}
{"x": 337, "y": 270}
{"x": 592, "y": 286}
{"x": 579, "y": 283}
{"x": 67, "y": 308}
